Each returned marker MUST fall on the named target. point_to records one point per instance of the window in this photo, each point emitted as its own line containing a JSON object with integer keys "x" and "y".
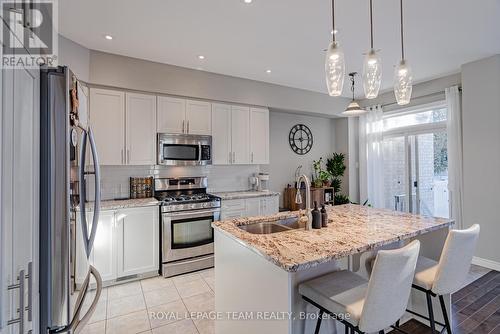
{"x": 416, "y": 161}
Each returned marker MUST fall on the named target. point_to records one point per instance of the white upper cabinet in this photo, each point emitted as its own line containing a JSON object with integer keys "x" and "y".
{"x": 107, "y": 115}
{"x": 171, "y": 115}
{"x": 176, "y": 115}
{"x": 259, "y": 136}
{"x": 221, "y": 134}
{"x": 240, "y": 131}
{"x": 140, "y": 129}
{"x": 198, "y": 117}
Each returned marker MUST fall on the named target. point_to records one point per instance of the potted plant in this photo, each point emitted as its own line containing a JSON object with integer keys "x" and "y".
{"x": 336, "y": 167}
{"x": 321, "y": 176}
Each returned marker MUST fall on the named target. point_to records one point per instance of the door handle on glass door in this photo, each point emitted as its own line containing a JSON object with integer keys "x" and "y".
{"x": 19, "y": 320}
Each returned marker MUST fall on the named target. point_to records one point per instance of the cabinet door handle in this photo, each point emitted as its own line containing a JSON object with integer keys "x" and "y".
{"x": 128, "y": 156}
{"x": 252, "y": 157}
{"x": 230, "y": 160}
{"x": 123, "y": 162}
{"x": 187, "y": 127}
{"x": 183, "y": 126}
{"x": 234, "y": 157}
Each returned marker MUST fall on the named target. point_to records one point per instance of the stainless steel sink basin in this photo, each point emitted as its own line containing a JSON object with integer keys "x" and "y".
{"x": 272, "y": 226}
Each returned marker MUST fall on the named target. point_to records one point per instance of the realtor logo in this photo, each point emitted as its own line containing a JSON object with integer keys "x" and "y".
{"x": 29, "y": 33}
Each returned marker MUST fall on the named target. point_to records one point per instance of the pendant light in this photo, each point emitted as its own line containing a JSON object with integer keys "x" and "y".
{"x": 403, "y": 77}
{"x": 372, "y": 67}
{"x": 353, "y": 109}
{"x": 334, "y": 63}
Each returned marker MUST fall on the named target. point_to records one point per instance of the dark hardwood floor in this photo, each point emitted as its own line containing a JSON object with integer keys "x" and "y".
{"x": 475, "y": 309}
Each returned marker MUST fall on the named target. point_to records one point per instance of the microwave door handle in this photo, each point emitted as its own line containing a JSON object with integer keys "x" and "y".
{"x": 199, "y": 152}
{"x": 97, "y": 188}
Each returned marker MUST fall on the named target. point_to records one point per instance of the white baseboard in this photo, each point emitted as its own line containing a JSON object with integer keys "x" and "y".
{"x": 493, "y": 265}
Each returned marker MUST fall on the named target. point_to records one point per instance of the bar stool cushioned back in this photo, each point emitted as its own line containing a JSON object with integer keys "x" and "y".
{"x": 389, "y": 287}
{"x": 455, "y": 260}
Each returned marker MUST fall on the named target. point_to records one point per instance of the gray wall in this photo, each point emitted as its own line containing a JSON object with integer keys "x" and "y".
{"x": 119, "y": 71}
{"x": 481, "y": 148}
{"x": 283, "y": 161}
{"x": 75, "y": 56}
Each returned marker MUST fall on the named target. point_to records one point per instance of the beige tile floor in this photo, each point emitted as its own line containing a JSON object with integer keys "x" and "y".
{"x": 128, "y": 308}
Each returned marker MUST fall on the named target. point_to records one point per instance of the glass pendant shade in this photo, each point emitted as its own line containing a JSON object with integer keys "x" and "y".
{"x": 403, "y": 80}
{"x": 372, "y": 74}
{"x": 353, "y": 109}
{"x": 334, "y": 69}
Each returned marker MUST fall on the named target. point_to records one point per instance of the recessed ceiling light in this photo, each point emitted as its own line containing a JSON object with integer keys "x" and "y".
{"x": 108, "y": 37}
{"x": 248, "y": 1}
{"x": 200, "y": 57}
{"x": 268, "y": 71}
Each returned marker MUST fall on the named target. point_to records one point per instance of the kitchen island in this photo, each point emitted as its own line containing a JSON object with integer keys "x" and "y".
{"x": 257, "y": 275}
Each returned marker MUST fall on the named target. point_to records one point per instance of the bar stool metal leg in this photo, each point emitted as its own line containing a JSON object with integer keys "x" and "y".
{"x": 431, "y": 312}
{"x": 318, "y": 324}
{"x": 445, "y": 314}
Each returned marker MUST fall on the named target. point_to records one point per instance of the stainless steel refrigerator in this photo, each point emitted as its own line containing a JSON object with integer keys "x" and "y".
{"x": 68, "y": 159}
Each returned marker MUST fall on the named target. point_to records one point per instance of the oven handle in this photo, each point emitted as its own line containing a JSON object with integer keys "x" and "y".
{"x": 199, "y": 152}
{"x": 191, "y": 214}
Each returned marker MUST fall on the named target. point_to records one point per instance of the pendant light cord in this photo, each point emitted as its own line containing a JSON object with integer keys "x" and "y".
{"x": 402, "y": 35}
{"x": 371, "y": 24}
{"x": 352, "y": 83}
{"x": 333, "y": 20}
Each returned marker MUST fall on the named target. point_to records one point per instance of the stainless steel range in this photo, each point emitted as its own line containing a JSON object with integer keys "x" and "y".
{"x": 187, "y": 213}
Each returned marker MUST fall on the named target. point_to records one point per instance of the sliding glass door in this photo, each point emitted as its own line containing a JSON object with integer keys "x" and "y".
{"x": 416, "y": 162}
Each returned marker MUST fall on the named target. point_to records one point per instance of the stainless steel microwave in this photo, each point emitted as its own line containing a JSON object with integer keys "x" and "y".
{"x": 184, "y": 150}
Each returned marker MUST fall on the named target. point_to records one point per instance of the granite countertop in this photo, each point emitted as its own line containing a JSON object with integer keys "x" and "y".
{"x": 122, "y": 204}
{"x": 228, "y": 195}
{"x": 352, "y": 229}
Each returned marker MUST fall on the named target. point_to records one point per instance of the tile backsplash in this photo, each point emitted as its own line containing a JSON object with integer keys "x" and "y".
{"x": 115, "y": 179}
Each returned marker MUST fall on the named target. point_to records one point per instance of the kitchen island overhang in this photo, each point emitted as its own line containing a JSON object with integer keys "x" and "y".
{"x": 261, "y": 272}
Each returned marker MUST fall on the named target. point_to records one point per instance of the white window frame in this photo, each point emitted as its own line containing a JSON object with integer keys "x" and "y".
{"x": 412, "y": 130}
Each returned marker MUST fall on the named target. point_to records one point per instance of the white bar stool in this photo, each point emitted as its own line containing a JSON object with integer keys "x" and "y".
{"x": 372, "y": 305}
{"x": 447, "y": 276}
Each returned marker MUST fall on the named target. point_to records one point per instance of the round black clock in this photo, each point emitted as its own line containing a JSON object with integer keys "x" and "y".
{"x": 300, "y": 139}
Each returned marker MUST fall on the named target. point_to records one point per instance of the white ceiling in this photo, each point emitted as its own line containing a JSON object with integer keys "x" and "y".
{"x": 286, "y": 36}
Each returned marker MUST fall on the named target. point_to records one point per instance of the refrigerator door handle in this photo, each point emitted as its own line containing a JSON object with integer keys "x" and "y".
{"x": 80, "y": 323}
{"x": 89, "y": 239}
{"x": 76, "y": 325}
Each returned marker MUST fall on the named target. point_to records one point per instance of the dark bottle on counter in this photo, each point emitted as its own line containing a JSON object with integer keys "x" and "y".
{"x": 316, "y": 217}
{"x": 324, "y": 216}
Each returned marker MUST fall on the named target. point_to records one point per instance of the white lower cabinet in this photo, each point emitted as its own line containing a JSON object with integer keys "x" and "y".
{"x": 255, "y": 206}
{"x": 269, "y": 205}
{"x": 126, "y": 243}
{"x": 137, "y": 241}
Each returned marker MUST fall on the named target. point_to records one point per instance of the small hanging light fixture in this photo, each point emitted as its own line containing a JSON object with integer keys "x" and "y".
{"x": 353, "y": 109}
{"x": 372, "y": 67}
{"x": 334, "y": 63}
{"x": 403, "y": 77}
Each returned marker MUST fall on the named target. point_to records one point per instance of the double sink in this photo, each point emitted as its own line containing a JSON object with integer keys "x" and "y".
{"x": 275, "y": 226}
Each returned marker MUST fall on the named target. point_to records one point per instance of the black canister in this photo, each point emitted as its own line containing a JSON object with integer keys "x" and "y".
{"x": 316, "y": 217}
{"x": 324, "y": 216}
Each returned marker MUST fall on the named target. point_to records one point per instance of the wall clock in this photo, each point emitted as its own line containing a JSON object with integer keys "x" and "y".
{"x": 300, "y": 139}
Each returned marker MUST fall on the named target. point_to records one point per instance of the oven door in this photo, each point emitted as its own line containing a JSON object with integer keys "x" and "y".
{"x": 188, "y": 234}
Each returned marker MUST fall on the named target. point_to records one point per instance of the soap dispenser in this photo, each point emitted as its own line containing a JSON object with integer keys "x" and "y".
{"x": 324, "y": 216}
{"x": 316, "y": 217}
